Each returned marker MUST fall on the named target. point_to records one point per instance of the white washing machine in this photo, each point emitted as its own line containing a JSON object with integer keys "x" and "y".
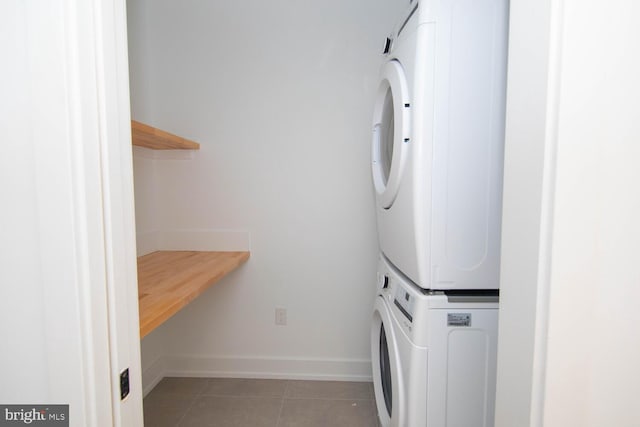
{"x": 433, "y": 354}
{"x": 438, "y": 138}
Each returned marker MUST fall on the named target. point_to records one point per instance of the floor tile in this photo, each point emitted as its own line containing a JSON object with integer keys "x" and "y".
{"x": 165, "y": 410}
{"x": 182, "y": 386}
{"x": 221, "y": 411}
{"x": 243, "y": 387}
{"x": 329, "y": 390}
{"x": 327, "y": 413}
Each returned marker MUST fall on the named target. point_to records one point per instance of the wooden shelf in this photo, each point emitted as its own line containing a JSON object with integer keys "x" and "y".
{"x": 169, "y": 280}
{"x": 150, "y": 137}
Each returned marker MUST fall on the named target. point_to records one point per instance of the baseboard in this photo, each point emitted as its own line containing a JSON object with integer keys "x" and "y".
{"x": 152, "y": 375}
{"x": 250, "y": 367}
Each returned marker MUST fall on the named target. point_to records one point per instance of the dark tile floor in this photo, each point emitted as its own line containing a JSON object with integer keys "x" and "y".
{"x": 234, "y": 402}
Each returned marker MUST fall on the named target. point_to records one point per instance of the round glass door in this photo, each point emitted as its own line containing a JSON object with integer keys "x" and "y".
{"x": 387, "y": 372}
{"x": 391, "y": 133}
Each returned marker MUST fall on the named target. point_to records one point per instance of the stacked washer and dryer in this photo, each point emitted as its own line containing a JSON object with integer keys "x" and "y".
{"x": 437, "y": 162}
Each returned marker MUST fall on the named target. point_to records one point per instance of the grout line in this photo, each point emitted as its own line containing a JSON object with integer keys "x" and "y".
{"x": 284, "y": 395}
{"x": 193, "y": 401}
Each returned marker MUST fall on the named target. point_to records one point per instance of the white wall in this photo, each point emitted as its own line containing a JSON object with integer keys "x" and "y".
{"x": 279, "y": 94}
{"x": 22, "y": 298}
{"x": 146, "y": 190}
{"x": 569, "y": 340}
{"x": 594, "y": 336}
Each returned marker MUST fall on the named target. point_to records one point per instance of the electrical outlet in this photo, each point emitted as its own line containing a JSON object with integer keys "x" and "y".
{"x": 281, "y": 316}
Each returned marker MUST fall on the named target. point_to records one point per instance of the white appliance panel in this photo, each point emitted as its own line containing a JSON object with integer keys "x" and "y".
{"x": 462, "y": 368}
{"x": 442, "y": 228}
{"x": 444, "y": 352}
{"x": 468, "y": 140}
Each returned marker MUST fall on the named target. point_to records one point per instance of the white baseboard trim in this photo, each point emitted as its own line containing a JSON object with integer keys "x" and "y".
{"x": 255, "y": 367}
{"x": 152, "y": 375}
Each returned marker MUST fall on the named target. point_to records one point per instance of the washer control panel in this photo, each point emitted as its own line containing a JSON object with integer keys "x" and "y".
{"x": 405, "y": 302}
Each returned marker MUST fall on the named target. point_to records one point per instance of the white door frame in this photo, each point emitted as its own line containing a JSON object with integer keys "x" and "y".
{"x": 69, "y": 265}
{"x": 103, "y": 22}
{"x": 568, "y": 344}
{"x": 527, "y": 210}
{"x": 118, "y": 206}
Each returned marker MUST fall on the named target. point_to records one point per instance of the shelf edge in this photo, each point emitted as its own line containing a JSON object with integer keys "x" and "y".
{"x": 143, "y": 135}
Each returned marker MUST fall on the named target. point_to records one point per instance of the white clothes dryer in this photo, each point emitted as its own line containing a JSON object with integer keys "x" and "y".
{"x": 438, "y": 137}
{"x": 433, "y": 354}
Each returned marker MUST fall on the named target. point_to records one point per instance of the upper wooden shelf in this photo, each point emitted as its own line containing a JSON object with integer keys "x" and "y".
{"x": 169, "y": 280}
{"x": 150, "y": 137}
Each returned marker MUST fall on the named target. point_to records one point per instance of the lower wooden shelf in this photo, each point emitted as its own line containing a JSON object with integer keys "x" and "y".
{"x": 169, "y": 280}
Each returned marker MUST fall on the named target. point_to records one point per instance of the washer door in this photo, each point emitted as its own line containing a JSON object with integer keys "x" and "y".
{"x": 391, "y": 133}
{"x": 385, "y": 360}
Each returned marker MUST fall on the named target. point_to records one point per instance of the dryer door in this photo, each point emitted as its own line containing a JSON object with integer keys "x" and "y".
{"x": 391, "y": 133}
{"x": 385, "y": 360}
